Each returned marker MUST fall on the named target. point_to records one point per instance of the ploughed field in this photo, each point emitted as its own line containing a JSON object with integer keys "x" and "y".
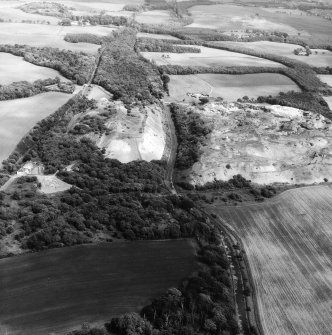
{"x": 288, "y": 244}
{"x": 229, "y": 86}
{"x": 209, "y": 57}
{"x": 59, "y": 289}
{"x": 18, "y": 116}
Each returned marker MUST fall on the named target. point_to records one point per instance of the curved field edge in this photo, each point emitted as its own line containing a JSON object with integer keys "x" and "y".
{"x": 287, "y": 242}
{"x": 58, "y": 289}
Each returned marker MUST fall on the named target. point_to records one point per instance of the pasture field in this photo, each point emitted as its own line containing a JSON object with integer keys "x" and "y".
{"x": 59, "y": 289}
{"x": 39, "y": 35}
{"x": 230, "y": 87}
{"x": 288, "y": 244}
{"x": 18, "y": 116}
{"x": 209, "y": 57}
{"x": 323, "y": 57}
{"x": 14, "y": 68}
{"x": 231, "y": 17}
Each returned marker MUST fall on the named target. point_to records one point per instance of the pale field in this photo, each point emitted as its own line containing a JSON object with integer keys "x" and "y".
{"x": 209, "y": 57}
{"x": 14, "y": 68}
{"x": 18, "y": 116}
{"x": 231, "y": 17}
{"x": 288, "y": 244}
{"x": 323, "y": 57}
{"x": 155, "y": 17}
{"x": 265, "y": 144}
{"x": 326, "y": 78}
{"x": 39, "y": 35}
{"x": 157, "y": 36}
{"x": 230, "y": 87}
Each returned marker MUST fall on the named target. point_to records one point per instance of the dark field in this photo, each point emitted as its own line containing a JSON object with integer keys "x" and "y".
{"x": 59, "y": 289}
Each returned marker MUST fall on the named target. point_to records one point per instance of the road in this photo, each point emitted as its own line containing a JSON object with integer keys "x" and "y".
{"x": 172, "y": 155}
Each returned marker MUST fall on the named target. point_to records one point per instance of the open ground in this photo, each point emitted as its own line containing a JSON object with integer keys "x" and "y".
{"x": 14, "y": 68}
{"x": 56, "y": 290}
{"x": 18, "y": 116}
{"x": 288, "y": 244}
{"x": 265, "y": 144}
{"x": 209, "y": 57}
{"x": 229, "y": 87}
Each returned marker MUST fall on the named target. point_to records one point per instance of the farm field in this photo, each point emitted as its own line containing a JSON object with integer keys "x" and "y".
{"x": 89, "y": 283}
{"x": 38, "y": 35}
{"x": 323, "y": 57}
{"x": 14, "y": 68}
{"x": 232, "y": 17}
{"x": 18, "y": 116}
{"x": 229, "y": 87}
{"x": 209, "y": 57}
{"x": 288, "y": 244}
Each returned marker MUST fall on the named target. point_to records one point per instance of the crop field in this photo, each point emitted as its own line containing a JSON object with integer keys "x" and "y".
{"x": 232, "y": 17}
{"x": 14, "y": 68}
{"x": 230, "y": 87}
{"x": 59, "y": 289}
{"x": 209, "y": 57}
{"x": 18, "y": 116}
{"x": 39, "y": 35}
{"x": 288, "y": 244}
{"x": 319, "y": 57}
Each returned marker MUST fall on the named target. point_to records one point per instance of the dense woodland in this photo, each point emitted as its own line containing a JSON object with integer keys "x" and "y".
{"x": 76, "y": 66}
{"x": 124, "y": 73}
{"x": 83, "y": 38}
{"x": 24, "y": 89}
{"x": 191, "y": 132}
{"x": 155, "y": 45}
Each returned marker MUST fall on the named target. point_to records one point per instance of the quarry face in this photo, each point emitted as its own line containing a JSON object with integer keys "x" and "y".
{"x": 265, "y": 144}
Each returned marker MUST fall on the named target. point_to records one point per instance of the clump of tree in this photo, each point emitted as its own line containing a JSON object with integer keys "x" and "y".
{"x": 126, "y": 74}
{"x": 191, "y": 131}
{"x": 155, "y": 45}
{"x": 83, "y": 38}
{"x": 46, "y": 8}
{"x": 103, "y": 20}
{"x": 77, "y": 66}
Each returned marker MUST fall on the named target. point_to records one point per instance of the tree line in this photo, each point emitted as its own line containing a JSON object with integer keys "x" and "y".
{"x": 77, "y": 66}
{"x": 24, "y": 89}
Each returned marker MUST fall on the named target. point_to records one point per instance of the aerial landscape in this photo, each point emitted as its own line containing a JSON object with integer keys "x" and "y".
{"x": 165, "y": 167}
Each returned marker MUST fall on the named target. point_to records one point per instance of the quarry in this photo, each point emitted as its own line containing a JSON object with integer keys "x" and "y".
{"x": 265, "y": 144}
